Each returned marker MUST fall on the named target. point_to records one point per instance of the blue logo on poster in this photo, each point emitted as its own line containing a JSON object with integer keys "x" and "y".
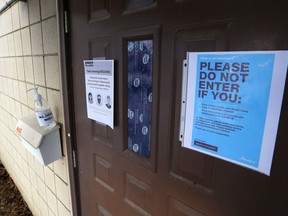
{"x": 231, "y": 99}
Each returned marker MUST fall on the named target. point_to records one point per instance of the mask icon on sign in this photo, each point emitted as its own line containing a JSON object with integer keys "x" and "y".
{"x": 99, "y": 99}
{"x": 108, "y": 102}
{"x": 90, "y": 98}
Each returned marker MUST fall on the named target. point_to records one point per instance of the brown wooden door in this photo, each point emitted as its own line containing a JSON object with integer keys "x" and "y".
{"x": 174, "y": 181}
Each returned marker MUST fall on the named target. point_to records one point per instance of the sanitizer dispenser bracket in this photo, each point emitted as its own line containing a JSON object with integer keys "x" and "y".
{"x": 45, "y": 145}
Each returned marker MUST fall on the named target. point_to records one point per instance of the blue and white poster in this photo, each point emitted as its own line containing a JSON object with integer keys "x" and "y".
{"x": 233, "y": 105}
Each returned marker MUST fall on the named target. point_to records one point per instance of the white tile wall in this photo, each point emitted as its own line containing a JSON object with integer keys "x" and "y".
{"x": 50, "y": 179}
{"x": 26, "y": 41}
{"x": 16, "y": 91}
{"x": 23, "y": 93}
{"x": 15, "y": 17}
{"x": 4, "y": 48}
{"x": 52, "y": 72}
{"x": 38, "y": 66}
{"x": 41, "y": 188}
{"x": 33, "y": 177}
{"x": 18, "y": 43}
{"x": 52, "y": 201}
{"x": 29, "y": 57}
{"x": 24, "y": 16}
{"x": 51, "y": 213}
{"x": 43, "y": 207}
{"x": 13, "y": 68}
{"x": 50, "y": 38}
{"x": 0, "y": 26}
{"x": 48, "y": 9}
{"x": 36, "y": 38}
{"x": 20, "y": 68}
{"x": 62, "y": 190}
{"x": 1, "y": 44}
{"x": 11, "y": 45}
{"x": 54, "y": 97}
{"x": 34, "y": 11}
{"x": 6, "y": 22}
{"x": 62, "y": 210}
{"x": 28, "y": 68}
{"x": 10, "y": 89}
{"x": 18, "y": 110}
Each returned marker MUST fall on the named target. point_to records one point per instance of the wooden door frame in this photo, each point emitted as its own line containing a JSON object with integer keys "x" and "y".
{"x": 67, "y": 91}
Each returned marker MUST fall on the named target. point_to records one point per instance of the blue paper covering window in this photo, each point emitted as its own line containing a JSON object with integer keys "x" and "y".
{"x": 140, "y": 56}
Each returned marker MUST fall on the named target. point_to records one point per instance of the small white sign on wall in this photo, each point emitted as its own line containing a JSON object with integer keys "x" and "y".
{"x": 99, "y": 82}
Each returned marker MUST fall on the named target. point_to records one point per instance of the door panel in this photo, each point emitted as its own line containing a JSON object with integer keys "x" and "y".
{"x": 209, "y": 37}
{"x": 103, "y": 173}
{"x": 113, "y": 178}
{"x": 101, "y": 211}
{"x": 99, "y": 10}
{"x": 138, "y": 194}
{"x": 178, "y": 208}
{"x": 133, "y": 6}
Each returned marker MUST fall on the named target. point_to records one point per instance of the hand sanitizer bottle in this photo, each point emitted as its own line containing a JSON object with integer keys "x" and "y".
{"x": 43, "y": 111}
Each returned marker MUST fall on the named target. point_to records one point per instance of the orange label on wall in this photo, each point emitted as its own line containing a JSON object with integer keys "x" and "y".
{"x": 19, "y": 130}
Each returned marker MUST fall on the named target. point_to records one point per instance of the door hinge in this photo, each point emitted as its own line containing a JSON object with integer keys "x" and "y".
{"x": 66, "y": 22}
{"x": 74, "y": 155}
{"x": 183, "y": 101}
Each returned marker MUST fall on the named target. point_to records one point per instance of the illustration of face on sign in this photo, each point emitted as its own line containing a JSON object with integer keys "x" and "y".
{"x": 99, "y": 99}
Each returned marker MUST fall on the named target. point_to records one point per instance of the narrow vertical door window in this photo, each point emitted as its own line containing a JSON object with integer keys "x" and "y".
{"x": 140, "y": 53}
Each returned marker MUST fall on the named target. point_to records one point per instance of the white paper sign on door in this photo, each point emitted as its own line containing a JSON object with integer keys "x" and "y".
{"x": 99, "y": 82}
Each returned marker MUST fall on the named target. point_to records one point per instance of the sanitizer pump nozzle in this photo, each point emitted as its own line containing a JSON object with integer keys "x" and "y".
{"x": 42, "y": 111}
